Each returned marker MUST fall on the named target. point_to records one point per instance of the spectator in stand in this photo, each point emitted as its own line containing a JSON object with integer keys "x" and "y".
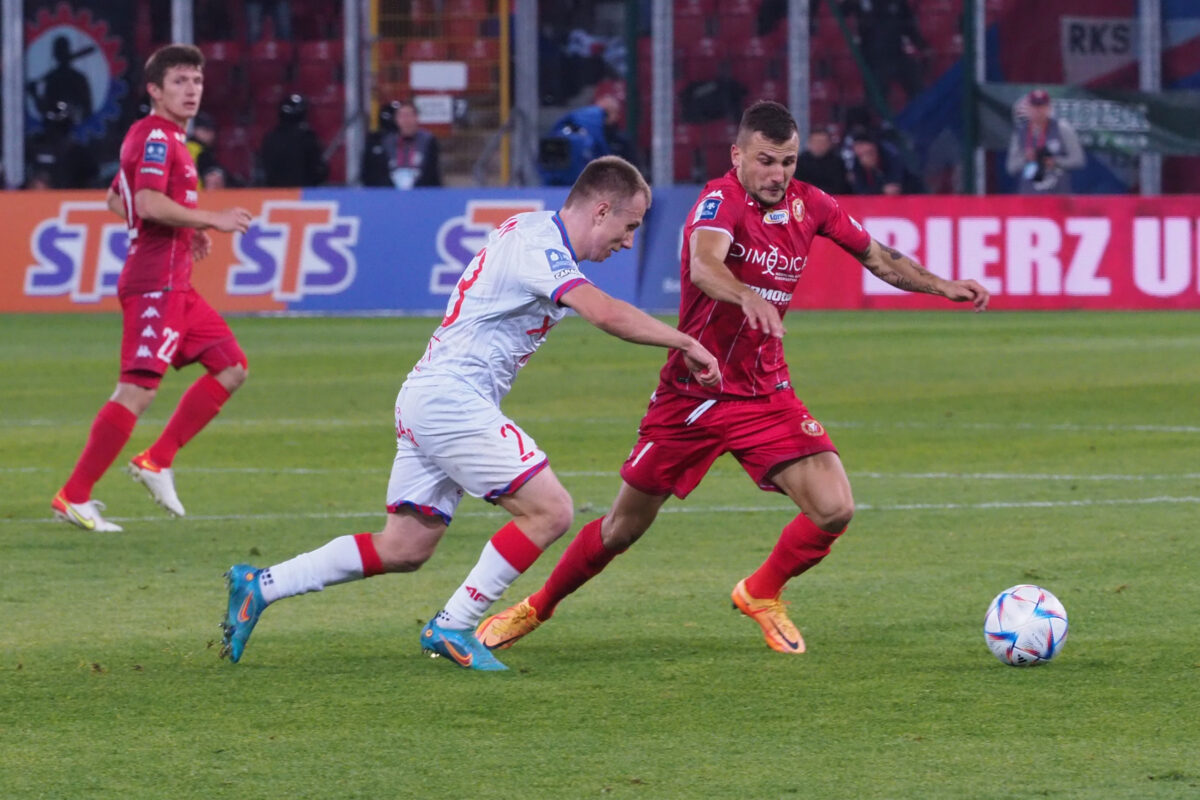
{"x": 821, "y": 166}
{"x": 291, "y": 153}
{"x": 1042, "y": 148}
{"x": 54, "y": 159}
{"x": 890, "y": 43}
{"x": 870, "y": 174}
{"x": 201, "y": 144}
{"x": 281, "y": 16}
{"x": 401, "y": 153}
{"x": 581, "y": 136}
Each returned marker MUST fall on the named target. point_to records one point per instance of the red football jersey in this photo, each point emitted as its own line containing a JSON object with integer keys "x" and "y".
{"x": 154, "y": 155}
{"x": 768, "y": 253}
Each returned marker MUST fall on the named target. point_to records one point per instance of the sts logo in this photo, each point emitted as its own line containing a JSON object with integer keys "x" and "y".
{"x": 295, "y": 248}
{"x": 460, "y": 238}
{"x": 79, "y": 253}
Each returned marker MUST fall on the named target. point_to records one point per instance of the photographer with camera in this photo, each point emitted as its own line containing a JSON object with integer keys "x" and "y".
{"x": 1043, "y": 149}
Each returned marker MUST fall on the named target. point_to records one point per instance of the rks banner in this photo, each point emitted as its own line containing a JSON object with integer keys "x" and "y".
{"x": 347, "y": 250}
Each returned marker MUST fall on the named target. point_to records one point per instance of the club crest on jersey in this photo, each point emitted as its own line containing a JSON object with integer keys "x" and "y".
{"x": 156, "y": 153}
{"x": 798, "y": 210}
{"x": 557, "y": 259}
{"x": 777, "y": 217}
{"x": 707, "y": 209}
{"x": 812, "y": 427}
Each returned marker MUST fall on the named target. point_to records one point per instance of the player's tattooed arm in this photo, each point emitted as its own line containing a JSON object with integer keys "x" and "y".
{"x": 891, "y": 266}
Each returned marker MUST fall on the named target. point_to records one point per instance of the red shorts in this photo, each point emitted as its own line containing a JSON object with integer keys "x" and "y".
{"x": 174, "y": 328}
{"x": 680, "y": 437}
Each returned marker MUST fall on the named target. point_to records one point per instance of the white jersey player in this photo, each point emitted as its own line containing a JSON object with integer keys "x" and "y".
{"x": 451, "y": 434}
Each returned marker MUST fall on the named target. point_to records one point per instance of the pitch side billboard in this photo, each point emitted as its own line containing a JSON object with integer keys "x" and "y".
{"x": 361, "y": 250}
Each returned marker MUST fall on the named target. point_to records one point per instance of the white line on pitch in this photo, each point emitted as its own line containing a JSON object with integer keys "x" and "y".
{"x": 673, "y": 509}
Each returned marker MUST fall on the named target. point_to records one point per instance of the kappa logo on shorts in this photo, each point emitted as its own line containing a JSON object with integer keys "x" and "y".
{"x": 812, "y": 427}
{"x": 149, "y": 333}
{"x": 143, "y": 352}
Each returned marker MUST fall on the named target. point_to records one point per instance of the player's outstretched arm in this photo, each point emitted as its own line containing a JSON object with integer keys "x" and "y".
{"x": 620, "y": 319}
{"x": 710, "y": 275}
{"x": 157, "y": 207}
{"x": 892, "y": 266}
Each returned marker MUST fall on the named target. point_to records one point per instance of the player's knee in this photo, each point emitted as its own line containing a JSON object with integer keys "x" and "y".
{"x": 832, "y": 517}
{"x": 232, "y": 377}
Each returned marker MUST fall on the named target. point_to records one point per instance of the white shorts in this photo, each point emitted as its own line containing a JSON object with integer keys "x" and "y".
{"x": 449, "y": 440}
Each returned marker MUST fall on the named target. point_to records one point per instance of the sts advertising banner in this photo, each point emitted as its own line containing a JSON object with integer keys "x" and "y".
{"x": 378, "y": 250}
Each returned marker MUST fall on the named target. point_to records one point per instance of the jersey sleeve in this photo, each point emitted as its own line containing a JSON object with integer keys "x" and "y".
{"x": 151, "y": 161}
{"x": 839, "y": 226}
{"x": 714, "y": 211}
{"x": 549, "y": 270}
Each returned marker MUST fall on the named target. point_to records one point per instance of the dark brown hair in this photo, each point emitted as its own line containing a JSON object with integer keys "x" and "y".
{"x": 769, "y": 118}
{"x": 173, "y": 55}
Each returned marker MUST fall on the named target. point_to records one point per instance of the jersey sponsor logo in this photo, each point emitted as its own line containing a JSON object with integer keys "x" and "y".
{"x": 774, "y": 263}
{"x": 778, "y": 296}
{"x": 80, "y": 44}
{"x": 798, "y": 210}
{"x": 155, "y": 153}
{"x": 558, "y": 260}
{"x": 191, "y": 196}
{"x": 855, "y": 222}
{"x": 78, "y": 254}
{"x": 151, "y": 171}
{"x": 460, "y": 238}
{"x": 295, "y": 249}
{"x": 777, "y": 217}
{"x": 707, "y": 209}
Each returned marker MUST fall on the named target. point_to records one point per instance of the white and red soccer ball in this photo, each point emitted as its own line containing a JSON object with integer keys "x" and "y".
{"x": 1025, "y": 625}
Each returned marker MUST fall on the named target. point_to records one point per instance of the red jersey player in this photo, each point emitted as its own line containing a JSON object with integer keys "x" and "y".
{"x": 746, "y": 246}
{"x": 166, "y": 323}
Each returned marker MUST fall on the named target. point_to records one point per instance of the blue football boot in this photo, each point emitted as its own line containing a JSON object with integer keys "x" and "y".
{"x": 245, "y": 606}
{"x": 461, "y": 647}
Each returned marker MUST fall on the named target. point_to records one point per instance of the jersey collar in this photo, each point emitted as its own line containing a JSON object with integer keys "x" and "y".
{"x": 566, "y": 239}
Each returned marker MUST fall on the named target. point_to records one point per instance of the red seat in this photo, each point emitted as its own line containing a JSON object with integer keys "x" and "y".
{"x": 690, "y": 29}
{"x": 479, "y": 49}
{"x": 221, "y": 50}
{"x": 461, "y": 29}
{"x": 425, "y": 50}
{"x": 327, "y": 50}
{"x": 271, "y": 50}
{"x": 466, "y": 8}
{"x": 318, "y": 79}
{"x": 326, "y": 119}
{"x": 694, "y": 8}
{"x": 735, "y": 29}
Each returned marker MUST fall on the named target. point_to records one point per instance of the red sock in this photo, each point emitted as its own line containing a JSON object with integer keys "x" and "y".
{"x": 110, "y": 432}
{"x": 515, "y": 547}
{"x": 801, "y": 546}
{"x": 583, "y": 559}
{"x": 199, "y": 404}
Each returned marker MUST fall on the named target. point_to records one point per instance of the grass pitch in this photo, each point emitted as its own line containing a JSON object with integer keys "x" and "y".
{"x": 985, "y": 451}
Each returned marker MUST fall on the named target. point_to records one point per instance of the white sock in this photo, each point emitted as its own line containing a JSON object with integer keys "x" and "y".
{"x": 488, "y": 579}
{"x": 336, "y": 562}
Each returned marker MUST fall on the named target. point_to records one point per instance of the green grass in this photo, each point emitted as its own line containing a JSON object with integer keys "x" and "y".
{"x": 985, "y": 450}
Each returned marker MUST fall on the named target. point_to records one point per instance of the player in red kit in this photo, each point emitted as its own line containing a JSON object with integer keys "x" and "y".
{"x": 746, "y": 245}
{"x": 165, "y": 322}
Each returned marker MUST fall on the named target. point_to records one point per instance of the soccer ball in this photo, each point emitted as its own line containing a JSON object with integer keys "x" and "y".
{"x": 1025, "y": 625}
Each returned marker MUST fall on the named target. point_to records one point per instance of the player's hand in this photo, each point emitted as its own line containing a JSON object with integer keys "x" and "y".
{"x": 231, "y": 220}
{"x": 964, "y": 291}
{"x": 201, "y": 245}
{"x": 762, "y": 316}
{"x": 702, "y": 364}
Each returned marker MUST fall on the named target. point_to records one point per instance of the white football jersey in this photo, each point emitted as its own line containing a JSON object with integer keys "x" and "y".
{"x": 503, "y": 306}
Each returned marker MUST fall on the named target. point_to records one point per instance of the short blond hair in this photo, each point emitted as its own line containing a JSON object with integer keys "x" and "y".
{"x": 608, "y": 176}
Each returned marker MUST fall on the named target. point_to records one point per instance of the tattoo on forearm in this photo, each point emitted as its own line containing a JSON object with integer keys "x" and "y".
{"x": 922, "y": 281}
